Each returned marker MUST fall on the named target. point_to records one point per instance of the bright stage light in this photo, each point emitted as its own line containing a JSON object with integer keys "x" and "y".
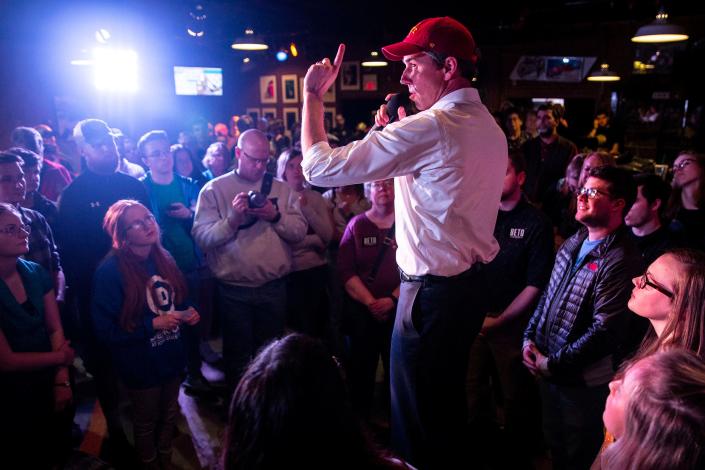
{"x": 282, "y": 55}
{"x": 115, "y": 69}
{"x": 102, "y": 36}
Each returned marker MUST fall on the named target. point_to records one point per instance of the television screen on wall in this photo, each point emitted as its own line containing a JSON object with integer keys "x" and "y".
{"x": 198, "y": 81}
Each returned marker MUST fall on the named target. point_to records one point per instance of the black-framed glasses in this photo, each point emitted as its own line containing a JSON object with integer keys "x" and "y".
{"x": 644, "y": 281}
{"x": 682, "y": 164}
{"x": 142, "y": 224}
{"x": 591, "y": 193}
{"x": 255, "y": 161}
{"x": 14, "y": 230}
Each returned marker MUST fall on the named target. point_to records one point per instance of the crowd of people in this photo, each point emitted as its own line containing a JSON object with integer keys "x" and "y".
{"x": 573, "y": 323}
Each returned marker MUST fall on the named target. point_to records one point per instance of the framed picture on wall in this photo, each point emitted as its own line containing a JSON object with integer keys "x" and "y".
{"x": 328, "y": 117}
{"x": 253, "y": 113}
{"x": 350, "y": 76}
{"x": 369, "y": 82}
{"x": 290, "y": 89}
{"x": 291, "y": 117}
{"x": 268, "y": 89}
{"x": 269, "y": 113}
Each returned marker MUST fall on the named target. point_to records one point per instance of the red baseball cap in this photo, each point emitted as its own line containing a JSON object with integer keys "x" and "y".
{"x": 443, "y": 35}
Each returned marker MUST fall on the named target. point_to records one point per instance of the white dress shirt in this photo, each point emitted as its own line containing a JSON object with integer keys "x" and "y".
{"x": 448, "y": 162}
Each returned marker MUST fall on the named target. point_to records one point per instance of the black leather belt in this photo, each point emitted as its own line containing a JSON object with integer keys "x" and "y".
{"x": 432, "y": 278}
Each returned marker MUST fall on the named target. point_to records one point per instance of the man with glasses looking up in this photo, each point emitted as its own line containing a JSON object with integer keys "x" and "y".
{"x": 245, "y": 222}
{"x": 83, "y": 244}
{"x": 172, "y": 199}
{"x": 582, "y": 328}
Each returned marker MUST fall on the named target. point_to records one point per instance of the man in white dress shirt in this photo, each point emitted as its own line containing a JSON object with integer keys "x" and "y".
{"x": 448, "y": 163}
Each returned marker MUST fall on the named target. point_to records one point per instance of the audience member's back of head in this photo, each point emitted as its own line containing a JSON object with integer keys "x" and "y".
{"x": 664, "y": 425}
{"x": 28, "y": 138}
{"x": 291, "y": 410}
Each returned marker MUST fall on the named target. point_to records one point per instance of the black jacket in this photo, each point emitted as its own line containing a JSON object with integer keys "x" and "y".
{"x": 582, "y": 323}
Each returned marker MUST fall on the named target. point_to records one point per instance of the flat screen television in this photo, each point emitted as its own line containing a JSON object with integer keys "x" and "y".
{"x": 198, "y": 81}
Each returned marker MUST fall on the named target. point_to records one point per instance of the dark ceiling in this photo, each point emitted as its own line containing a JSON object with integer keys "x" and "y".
{"x": 319, "y": 25}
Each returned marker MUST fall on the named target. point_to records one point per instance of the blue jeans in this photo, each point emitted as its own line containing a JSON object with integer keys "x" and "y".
{"x": 572, "y": 422}
{"x": 251, "y": 318}
{"x": 436, "y": 323}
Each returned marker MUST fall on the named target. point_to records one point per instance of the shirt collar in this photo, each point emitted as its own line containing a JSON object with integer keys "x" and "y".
{"x": 462, "y": 95}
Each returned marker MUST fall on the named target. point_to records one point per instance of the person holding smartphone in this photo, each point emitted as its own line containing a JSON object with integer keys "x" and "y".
{"x": 139, "y": 307}
{"x": 172, "y": 199}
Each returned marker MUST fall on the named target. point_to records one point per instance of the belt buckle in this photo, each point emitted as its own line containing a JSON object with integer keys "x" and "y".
{"x": 408, "y": 278}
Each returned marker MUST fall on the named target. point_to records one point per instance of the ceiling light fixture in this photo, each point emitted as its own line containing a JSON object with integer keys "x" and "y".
{"x": 660, "y": 31}
{"x": 102, "y": 36}
{"x": 250, "y": 42}
{"x": 374, "y": 60}
{"x": 604, "y": 75}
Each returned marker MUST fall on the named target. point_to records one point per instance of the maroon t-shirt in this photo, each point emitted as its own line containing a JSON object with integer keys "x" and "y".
{"x": 359, "y": 247}
{"x": 54, "y": 178}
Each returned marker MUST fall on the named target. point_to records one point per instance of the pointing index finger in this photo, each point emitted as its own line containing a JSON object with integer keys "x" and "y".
{"x": 339, "y": 56}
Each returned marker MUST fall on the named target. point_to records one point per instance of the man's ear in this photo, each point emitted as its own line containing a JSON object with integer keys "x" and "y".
{"x": 450, "y": 66}
{"x": 620, "y": 203}
{"x": 656, "y": 205}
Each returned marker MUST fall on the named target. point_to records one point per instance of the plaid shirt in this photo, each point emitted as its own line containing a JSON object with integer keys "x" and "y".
{"x": 42, "y": 249}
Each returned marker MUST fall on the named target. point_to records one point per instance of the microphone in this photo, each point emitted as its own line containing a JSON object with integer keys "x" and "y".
{"x": 395, "y": 102}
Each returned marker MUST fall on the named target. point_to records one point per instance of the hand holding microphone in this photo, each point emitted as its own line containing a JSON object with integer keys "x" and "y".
{"x": 398, "y": 106}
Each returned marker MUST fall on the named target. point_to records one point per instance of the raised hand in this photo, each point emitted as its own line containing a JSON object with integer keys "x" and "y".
{"x": 321, "y": 75}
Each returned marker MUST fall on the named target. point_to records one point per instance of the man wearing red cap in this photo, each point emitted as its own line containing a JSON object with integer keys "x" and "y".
{"x": 448, "y": 163}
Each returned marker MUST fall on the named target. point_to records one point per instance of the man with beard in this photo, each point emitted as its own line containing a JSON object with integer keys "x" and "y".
{"x": 547, "y": 155}
{"x": 582, "y": 329}
{"x": 83, "y": 244}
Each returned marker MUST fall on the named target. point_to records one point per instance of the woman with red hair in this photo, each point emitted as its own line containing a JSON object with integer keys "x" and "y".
{"x": 138, "y": 307}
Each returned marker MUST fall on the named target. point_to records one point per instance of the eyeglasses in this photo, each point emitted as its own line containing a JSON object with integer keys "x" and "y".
{"x": 15, "y": 230}
{"x": 383, "y": 184}
{"x": 591, "y": 193}
{"x": 255, "y": 161}
{"x": 681, "y": 165}
{"x": 644, "y": 281}
{"x": 142, "y": 224}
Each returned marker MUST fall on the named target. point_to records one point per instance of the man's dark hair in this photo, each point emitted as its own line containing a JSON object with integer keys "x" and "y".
{"x": 29, "y": 158}
{"x": 513, "y": 110}
{"x": 467, "y": 68}
{"x": 547, "y": 107}
{"x": 620, "y": 182}
{"x": 654, "y": 187}
{"x": 516, "y": 157}
{"x": 8, "y": 157}
{"x": 27, "y": 137}
{"x": 151, "y": 136}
